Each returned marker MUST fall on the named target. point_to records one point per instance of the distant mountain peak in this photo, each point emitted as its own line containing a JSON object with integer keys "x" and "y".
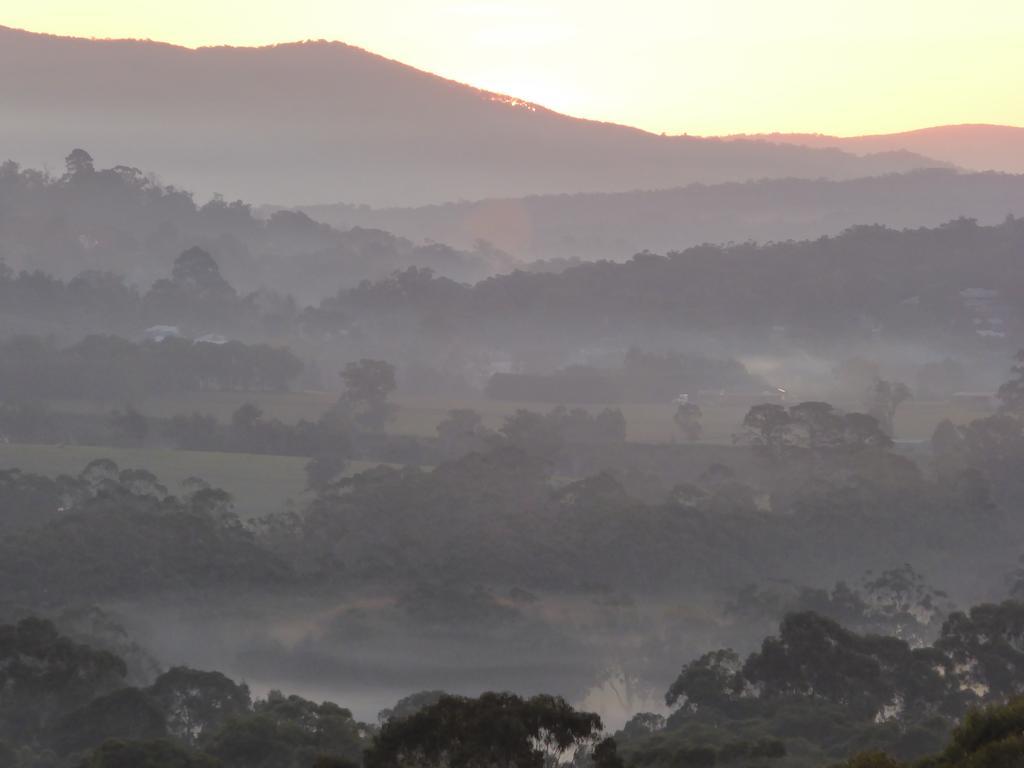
{"x": 974, "y": 146}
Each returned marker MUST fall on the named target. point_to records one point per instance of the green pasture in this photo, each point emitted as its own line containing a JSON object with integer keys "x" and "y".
{"x": 259, "y": 484}
{"x": 646, "y": 423}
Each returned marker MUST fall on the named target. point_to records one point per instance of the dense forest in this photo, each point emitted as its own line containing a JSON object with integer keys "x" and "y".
{"x": 912, "y": 285}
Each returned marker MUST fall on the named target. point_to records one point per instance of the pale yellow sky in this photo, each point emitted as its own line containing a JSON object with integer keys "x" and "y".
{"x": 678, "y": 66}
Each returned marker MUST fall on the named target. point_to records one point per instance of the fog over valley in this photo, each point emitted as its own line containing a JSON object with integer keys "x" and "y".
{"x": 353, "y": 417}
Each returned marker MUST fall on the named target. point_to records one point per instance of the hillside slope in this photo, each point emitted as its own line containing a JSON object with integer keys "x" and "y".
{"x": 323, "y": 122}
{"x": 615, "y": 226}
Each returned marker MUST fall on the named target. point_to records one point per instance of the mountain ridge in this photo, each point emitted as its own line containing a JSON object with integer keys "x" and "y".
{"x": 316, "y": 121}
{"x": 973, "y": 146}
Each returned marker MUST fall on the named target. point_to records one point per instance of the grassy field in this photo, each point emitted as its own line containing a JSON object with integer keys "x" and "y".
{"x": 915, "y": 420}
{"x": 287, "y": 406}
{"x": 259, "y": 484}
{"x": 652, "y": 423}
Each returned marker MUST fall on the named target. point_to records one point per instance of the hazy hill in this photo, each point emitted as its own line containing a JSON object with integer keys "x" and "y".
{"x": 318, "y": 121}
{"x": 958, "y": 286}
{"x": 977, "y": 147}
{"x": 119, "y": 220}
{"x": 615, "y": 226}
